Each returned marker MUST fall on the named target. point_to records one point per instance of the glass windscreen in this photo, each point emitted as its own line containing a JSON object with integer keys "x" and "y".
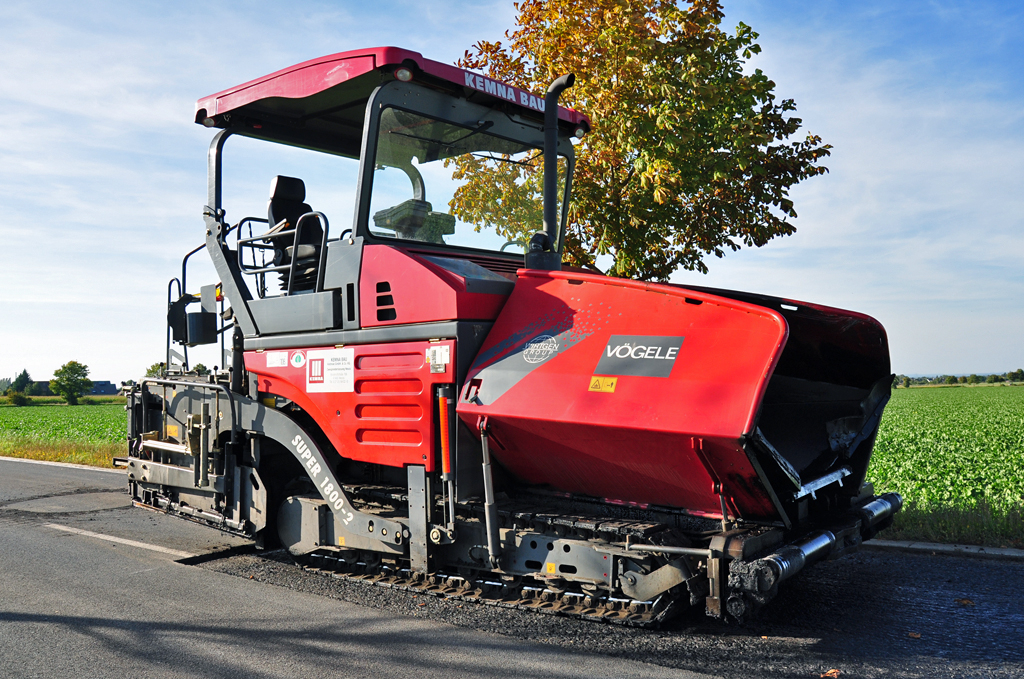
{"x": 445, "y": 184}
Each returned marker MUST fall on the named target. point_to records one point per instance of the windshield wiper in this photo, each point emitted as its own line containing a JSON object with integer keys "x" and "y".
{"x": 485, "y": 125}
{"x": 524, "y": 163}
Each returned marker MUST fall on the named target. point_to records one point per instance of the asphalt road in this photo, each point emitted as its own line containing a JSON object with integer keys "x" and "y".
{"x": 79, "y": 603}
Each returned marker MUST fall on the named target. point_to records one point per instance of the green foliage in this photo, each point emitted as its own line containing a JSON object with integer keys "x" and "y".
{"x": 17, "y": 398}
{"x": 86, "y": 424}
{"x": 906, "y": 382}
{"x": 951, "y": 379}
{"x": 200, "y": 369}
{"x": 70, "y": 381}
{"x": 690, "y": 154}
{"x": 155, "y": 370}
{"x": 5, "y": 382}
{"x": 21, "y": 381}
{"x": 958, "y": 449}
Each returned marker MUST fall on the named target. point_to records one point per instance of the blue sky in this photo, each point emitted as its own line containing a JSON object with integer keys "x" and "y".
{"x": 919, "y": 223}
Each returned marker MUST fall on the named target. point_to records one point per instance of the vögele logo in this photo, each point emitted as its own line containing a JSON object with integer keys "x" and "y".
{"x": 540, "y": 348}
{"x": 642, "y": 355}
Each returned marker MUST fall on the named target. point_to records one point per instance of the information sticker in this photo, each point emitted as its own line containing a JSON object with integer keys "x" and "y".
{"x": 330, "y": 370}
{"x": 277, "y": 359}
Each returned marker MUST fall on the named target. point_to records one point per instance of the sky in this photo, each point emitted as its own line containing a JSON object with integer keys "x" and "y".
{"x": 919, "y": 223}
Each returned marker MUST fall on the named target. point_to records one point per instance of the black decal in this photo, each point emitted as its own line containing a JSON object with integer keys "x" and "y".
{"x": 643, "y": 355}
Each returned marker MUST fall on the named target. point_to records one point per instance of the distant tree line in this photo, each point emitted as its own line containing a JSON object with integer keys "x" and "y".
{"x": 70, "y": 382}
{"x": 995, "y": 378}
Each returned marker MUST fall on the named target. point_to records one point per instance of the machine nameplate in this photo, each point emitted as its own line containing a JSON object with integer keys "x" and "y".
{"x": 330, "y": 370}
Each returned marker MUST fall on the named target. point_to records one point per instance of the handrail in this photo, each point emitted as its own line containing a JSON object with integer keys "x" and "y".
{"x": 201, "y": 385}
{"x": 294, "y": 232}
{"x": 170, "y": 300}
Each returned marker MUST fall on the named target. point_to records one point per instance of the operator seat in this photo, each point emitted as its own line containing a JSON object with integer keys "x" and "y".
{"x": 286, "y": 204}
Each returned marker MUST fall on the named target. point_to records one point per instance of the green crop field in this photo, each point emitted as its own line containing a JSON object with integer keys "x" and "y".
{"x": 957, "y": 456}
{"x": 81, "y": 434}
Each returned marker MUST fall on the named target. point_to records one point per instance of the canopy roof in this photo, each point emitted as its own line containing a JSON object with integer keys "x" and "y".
{"x": 320, "y": 103}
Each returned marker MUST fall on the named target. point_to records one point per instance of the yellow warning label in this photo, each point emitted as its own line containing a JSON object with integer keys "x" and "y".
{"x": 172, "y": 431}
{"x": 605, "y": 384}
{"x": 341, "y": 541}
{"x": 551, "y": 568}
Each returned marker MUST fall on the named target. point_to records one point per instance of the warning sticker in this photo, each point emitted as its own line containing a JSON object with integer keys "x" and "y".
{"x": 277, "y": 359}
{"x": 330, "y": 370}
{"x": 605, "y": 384}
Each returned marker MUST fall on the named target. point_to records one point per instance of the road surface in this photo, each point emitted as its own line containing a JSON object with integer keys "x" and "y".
{"x": 92, "y": 587}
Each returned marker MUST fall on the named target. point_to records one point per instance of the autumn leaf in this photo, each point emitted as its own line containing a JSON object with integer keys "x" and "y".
{"x": 690, "y": 153}
{"x": 964, "y": 602}
{"x": 914, "y": 635}
{"x": 832, "y": 674}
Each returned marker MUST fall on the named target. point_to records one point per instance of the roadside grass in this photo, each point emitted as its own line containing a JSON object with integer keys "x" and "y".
{"x": 76, "y": 452}
{"x": 956, "y": 456}
{"x": 84, "y": 434}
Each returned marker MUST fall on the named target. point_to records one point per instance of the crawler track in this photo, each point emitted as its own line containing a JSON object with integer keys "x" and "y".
{"x": 488, "y": 589}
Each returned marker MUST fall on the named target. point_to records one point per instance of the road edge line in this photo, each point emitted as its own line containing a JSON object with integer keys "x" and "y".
{"x": 935, "y": 548}
{"x": 71, "y": 465}
{"x": 122, "y": 541}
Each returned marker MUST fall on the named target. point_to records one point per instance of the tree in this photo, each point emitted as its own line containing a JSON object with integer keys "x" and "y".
{"x": 973, "y": 379}
{"x": 21, "y": 382}
{"x": 688, "y": 156}
{"x": 155, "y": 370}
{"x": 5, "y": 382}
{"x": 906, "y": 382}
{"x": 951, "y": 380}
{"x": 200, "y": 369}
{"x": 70, "y": 381}
{"x": 993, "y": 379}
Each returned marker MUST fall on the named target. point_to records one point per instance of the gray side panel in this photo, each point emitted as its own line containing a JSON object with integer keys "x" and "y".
{"x": 297, "y": 313}
{"x": 473, "y": 332}
{"x": 344, "y": 261}
{"x": 256, "y": 417}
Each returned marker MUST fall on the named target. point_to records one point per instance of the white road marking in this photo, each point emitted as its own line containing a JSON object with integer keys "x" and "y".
{"x": 122, "y": 541}
{"x": 70, "y": 465}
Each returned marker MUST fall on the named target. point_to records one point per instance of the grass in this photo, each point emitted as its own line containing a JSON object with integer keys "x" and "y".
{"x": 85, "y": 434}
{"x": 956, "y": 455}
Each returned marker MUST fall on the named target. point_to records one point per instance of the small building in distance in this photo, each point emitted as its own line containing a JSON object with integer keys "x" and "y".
{"x": 39, "y": 388}
{"x": 103, "y": 389}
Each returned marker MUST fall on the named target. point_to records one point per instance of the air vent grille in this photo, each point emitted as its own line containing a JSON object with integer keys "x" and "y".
{"x": 385, "y": 302}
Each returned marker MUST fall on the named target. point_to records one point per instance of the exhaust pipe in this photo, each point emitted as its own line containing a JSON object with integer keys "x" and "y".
{"x": 541, "y": 252}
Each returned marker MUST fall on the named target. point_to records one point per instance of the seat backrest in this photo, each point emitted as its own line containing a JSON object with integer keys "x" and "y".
{"x": 286, "y": 202}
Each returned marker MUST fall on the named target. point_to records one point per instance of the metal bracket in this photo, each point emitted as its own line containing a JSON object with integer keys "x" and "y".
{"x": 645, "y": 587}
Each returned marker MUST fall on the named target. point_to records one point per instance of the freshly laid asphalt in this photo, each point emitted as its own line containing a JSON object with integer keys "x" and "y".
{"x": 83, "y": 593}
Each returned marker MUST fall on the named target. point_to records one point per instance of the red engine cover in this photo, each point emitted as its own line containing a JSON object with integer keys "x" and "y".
{"x": 625, "y": 390}
{"x": 374, "y": 402}
{"x": 397, "y": 287}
